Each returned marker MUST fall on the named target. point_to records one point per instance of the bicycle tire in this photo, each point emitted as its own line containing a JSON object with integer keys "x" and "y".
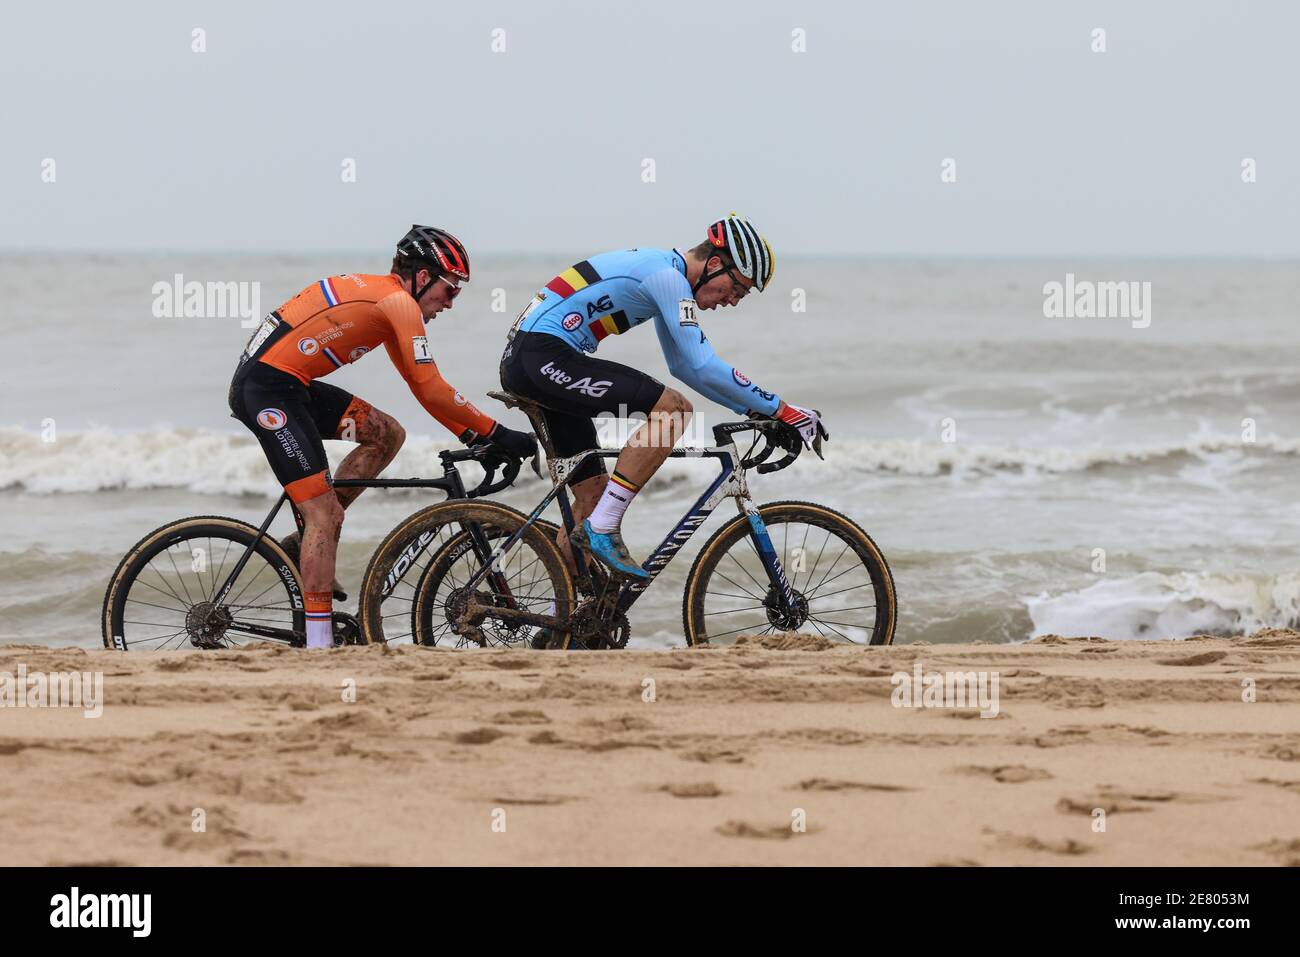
{"x": 406, "y": 544}
{"x": 776, "y": 513}
{"x": 207, "y": 527}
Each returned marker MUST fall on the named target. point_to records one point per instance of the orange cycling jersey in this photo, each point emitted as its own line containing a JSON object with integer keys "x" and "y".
{"x": 336, "y": 321}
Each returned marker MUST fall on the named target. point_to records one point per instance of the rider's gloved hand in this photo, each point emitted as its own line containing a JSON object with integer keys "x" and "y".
{"x": 807, "y": 422}
{"x": 518, "y": 445}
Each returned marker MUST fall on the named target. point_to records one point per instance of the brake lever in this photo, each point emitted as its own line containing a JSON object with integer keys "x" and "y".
{"x": 537, "y": 455}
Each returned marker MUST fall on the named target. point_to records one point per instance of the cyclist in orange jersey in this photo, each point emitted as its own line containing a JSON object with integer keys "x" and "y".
{"x": 277, "y": 394}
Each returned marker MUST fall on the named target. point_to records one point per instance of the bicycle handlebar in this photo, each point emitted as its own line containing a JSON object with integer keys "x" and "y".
{"x": 490, "y": 459}
{"x": 775, "y": 436}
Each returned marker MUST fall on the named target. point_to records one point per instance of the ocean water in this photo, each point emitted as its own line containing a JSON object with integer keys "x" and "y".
{"x": 1022, "y": 474}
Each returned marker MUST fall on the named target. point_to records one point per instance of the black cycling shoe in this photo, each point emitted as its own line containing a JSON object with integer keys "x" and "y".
{"x": 292, "y": 545}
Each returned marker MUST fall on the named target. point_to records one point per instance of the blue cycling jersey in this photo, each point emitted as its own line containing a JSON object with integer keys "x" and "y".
{"x": 613, "y": 292}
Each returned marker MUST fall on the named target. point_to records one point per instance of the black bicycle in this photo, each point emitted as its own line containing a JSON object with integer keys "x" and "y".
{"x": 216, "y": 582}
{"x": 780, "y": 567}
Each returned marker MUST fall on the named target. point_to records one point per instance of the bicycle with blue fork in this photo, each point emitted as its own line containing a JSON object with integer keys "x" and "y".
{"x": 483, "y": 573}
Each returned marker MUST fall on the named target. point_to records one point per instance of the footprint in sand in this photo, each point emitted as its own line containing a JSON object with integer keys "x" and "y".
{"x": 714, "y": 756}
{"x": 1006, "y": 773}
{"x": 539, "y": 800}
{"x": 1283, "y": 752}
{"x": 1204, "y": 658}
{"x": 520, "y": 716}
{"x": 1287, "y": 853}
{"x": 778, "y": 832}
{"x": 830, "y": 784}
{"x": 256, "y": 856}
{"x": 1066, "y": 848}
{"x": 1114, "y": 800}
{"x": 698, "y": 789}
{"x": 478, "y": 736}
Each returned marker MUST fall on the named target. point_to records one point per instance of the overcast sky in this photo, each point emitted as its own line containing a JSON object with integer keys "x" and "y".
{"x": 836, "y": 150}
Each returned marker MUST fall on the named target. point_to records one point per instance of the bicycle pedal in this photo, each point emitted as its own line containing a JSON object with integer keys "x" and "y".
{"x": 347, "y": 630}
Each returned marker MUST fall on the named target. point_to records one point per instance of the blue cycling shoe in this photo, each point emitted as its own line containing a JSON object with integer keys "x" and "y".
{"x": 609, "y": 550}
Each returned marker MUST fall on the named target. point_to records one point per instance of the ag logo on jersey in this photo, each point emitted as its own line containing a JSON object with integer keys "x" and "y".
{"x": 603, "y": 304}
{"x": 740, "y": 377}
{"x": 420, "y": 345}
{"x": 572, "y": 321}
{"x": 686, "y": 313}
{"x": 357, "y": 353}
{"x": 459, "y": 399}
{"x": 308, "y": 347}
{"x": 271, "y": 419}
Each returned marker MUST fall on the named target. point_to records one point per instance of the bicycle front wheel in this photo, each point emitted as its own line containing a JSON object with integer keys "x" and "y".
{"x": 842, "y": 586}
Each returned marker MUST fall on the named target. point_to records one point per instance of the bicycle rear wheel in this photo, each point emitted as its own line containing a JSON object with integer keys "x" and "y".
{"x": 414, "y": 589}
{"x": 842, "y": 585}
{"x": 449, "y": 568}
{"x": 163, "y": 595}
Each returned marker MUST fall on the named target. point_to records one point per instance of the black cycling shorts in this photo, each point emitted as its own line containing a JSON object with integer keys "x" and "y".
{"x": 574, "y": 388}
{"x": 289, "y": 420}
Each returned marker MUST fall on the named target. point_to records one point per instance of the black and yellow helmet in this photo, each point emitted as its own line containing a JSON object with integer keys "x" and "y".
{"x": 749, "y": 250}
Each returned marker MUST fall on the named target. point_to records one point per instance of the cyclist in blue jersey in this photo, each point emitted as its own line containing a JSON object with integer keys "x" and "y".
{"x": 548, "y": 359}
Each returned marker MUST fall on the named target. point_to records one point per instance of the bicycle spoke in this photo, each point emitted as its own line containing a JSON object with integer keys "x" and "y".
{"x": 179, "y": 611}
{"x": 821, "y": 551}
{"x": 839, "y": 592}
{"x": 216, "y": 575}
{"x": 740, "y": 586}
{"x": 140, "y": 580}
{"x": 840, "y": 575}
{"x": 832, "y": 627}
{"x": 172, "y": 559}
{"x": 831, "y": 569}
{"x": 732, "y": 611}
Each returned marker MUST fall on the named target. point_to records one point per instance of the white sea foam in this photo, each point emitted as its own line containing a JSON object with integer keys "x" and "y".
{"x": 219, "y": 463}
{"x": 1155, "y": 605}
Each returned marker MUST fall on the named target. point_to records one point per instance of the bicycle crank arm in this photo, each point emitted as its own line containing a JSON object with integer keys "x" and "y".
{"x": 475, "y": 614}
{"x": 265, "y": 631}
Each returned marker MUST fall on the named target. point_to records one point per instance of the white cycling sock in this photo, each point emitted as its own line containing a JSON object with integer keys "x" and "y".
{"x": 608, "y": 513}
{"x": 320, "y": 634}
{"x": 320, "y": 628}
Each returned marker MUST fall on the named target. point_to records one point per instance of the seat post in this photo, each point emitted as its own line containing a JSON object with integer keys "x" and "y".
{"x": 535, "y": 416}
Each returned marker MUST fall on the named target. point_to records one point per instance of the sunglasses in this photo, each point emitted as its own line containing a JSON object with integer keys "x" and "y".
{"x": 455, "y": 286}
{"x": 738, "y": 289}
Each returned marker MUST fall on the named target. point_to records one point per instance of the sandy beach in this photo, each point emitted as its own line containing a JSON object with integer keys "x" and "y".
{"x": 748, "y": 754}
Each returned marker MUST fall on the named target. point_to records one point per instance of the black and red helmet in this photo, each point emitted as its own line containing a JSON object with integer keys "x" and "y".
{"x": 437, "y": 249}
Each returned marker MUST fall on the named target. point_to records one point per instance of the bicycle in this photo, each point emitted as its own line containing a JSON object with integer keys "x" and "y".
{"x": 590, "y": 607}
{"x": 215, "y": 612}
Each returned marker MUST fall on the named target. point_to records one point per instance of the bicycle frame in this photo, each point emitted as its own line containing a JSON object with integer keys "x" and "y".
{"x": 450, "y": 483}
{"x": 729, "y": 484}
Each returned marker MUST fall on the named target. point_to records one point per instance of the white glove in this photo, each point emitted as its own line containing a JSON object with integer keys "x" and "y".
{"x": 808, "y": 423}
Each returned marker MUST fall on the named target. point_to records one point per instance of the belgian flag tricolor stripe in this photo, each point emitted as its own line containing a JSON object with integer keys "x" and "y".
{"x": 612, "y": 325}
{"x": 572, "y": 279}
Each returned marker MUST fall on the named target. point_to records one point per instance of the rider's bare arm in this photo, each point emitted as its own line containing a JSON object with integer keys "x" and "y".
{"x": 409, "y": 350}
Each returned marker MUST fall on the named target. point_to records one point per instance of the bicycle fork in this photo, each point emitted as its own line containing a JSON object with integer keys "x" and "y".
{"x": 787, "y": 606}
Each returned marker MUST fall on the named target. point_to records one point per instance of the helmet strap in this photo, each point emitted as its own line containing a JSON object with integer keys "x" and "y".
{"x": 706, "y": 276}
{"x": 427, "y": 286}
